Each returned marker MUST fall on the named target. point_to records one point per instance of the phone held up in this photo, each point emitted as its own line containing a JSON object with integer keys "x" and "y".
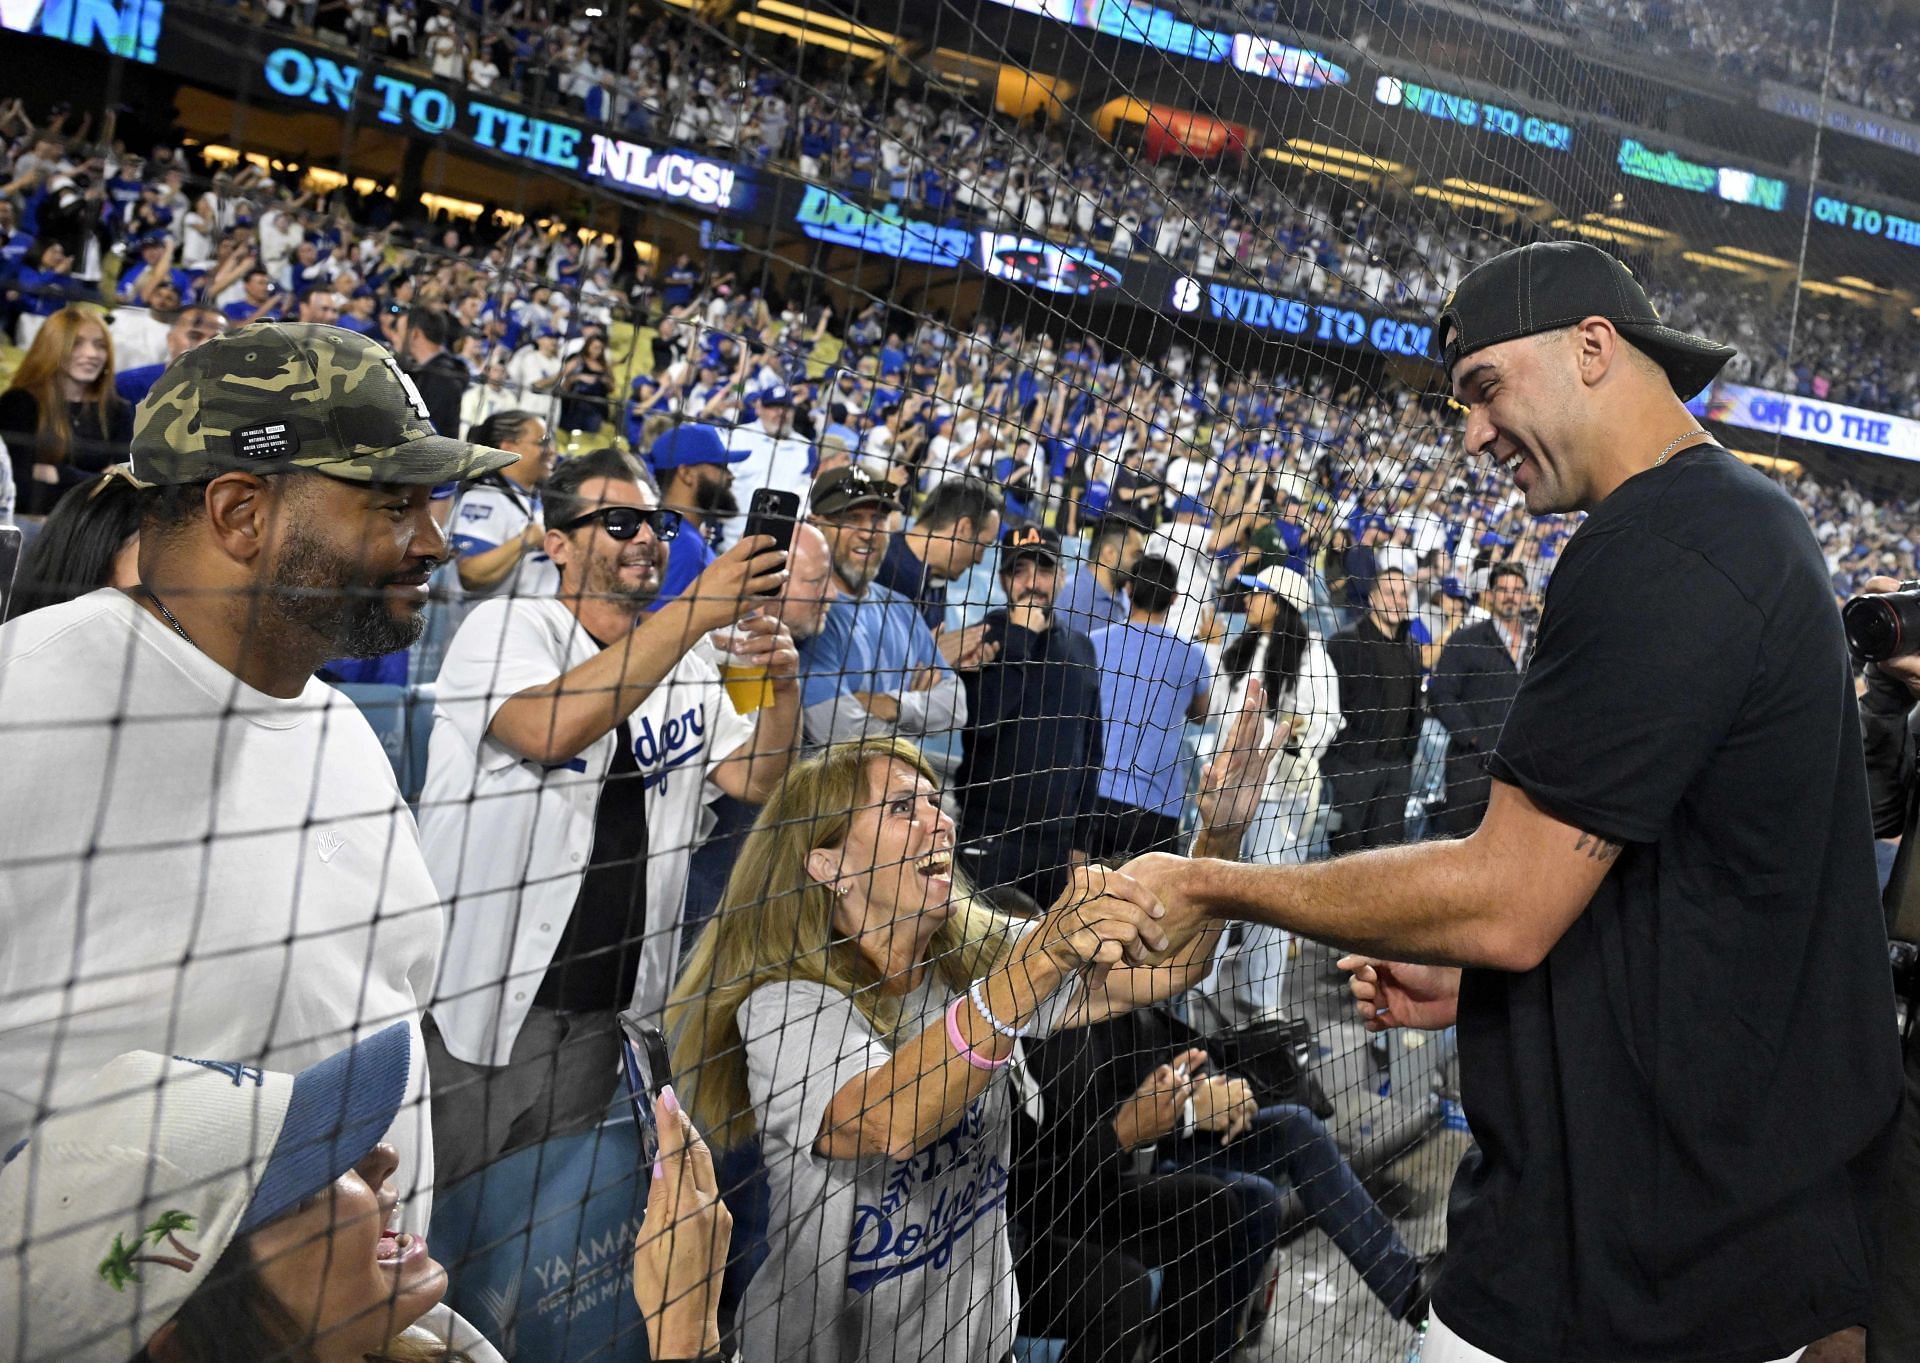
{"x": 644, "y": 1059}
{"x": 773, "y": 512}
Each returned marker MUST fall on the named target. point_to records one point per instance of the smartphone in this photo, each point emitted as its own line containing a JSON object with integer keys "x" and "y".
{"x": 648, "y": 1070}
{"x": 773, "y": 512}
{"x": 10, "y": 542}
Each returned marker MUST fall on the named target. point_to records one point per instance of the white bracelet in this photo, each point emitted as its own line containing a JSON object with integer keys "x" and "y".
{"x": 979, "y": 997}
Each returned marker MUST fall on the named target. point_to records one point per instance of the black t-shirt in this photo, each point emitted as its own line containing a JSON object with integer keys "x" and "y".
{"x": 1680, "y": 1114}
{"x": 598, "y": 958}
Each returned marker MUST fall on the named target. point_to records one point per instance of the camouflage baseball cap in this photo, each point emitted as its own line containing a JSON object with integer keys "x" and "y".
{"x": 277, "y": 396}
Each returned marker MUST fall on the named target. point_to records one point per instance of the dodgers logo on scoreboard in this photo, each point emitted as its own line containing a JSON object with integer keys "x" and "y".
{"x": 1043, "y": 265}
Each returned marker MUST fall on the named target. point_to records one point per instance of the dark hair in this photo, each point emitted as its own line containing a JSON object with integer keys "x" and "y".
{"x": 429, "y": 324}
{"x": 956, "y": 500}
{"x": 1505, "y": 568}
{"x": 192, "y": 310}
{"x": 1286, "y": 647}
{"x": 560, "y": 499}
{"x": 1111, "y": 529}
{"x": 73, "y": 553}
{"x": 501, "y": 427}
{"x": 170, "y": 508}
{"x": 1153, "y": 585}
{"x": 232, "y": 1317}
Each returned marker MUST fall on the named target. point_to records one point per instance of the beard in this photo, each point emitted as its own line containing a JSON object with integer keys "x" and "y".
{"x": 715, "y": 501}
{"x": 603, "y": 579}
{"x": 857, "y": 574}
{"x": 332, "y": 596}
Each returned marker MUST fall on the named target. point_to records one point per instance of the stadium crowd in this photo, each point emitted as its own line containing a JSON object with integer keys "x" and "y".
{"x": 1155, "y": 597}
{"x": 930, "y": 151}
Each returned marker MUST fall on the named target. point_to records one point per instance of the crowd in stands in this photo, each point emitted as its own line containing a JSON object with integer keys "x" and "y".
{"x": 1032, "y": 568}
{"x": 1876, "y": 52}
{"x": 938, "y": 155}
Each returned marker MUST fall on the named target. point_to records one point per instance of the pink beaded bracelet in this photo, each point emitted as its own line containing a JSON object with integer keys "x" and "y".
{"x": 959, "y": 1040}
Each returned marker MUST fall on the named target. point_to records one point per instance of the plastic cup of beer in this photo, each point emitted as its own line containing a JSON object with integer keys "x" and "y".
{"x": 749, "y": 686}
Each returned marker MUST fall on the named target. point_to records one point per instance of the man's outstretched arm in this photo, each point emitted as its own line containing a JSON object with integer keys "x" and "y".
{"x": 1500, "y": 898}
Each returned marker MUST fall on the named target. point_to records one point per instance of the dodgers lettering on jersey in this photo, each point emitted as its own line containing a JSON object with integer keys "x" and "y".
{"x": 680, "y": 740}
{"x": 886, "y": 1244}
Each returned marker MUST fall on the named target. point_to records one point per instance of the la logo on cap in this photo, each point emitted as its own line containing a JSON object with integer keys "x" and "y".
{"x": 1030, "y": 535}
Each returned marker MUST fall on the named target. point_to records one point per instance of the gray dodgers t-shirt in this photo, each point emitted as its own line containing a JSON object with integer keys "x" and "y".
{"x": 870, "y": 1259}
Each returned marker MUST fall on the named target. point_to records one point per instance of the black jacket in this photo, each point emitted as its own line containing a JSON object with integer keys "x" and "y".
{"x": 442, "y": 382}
{"x": 1379, "y": 697}
{"x": 1887, "y": 711}
{"x": 92, "y": 448}
{"x": 1069, "y": 1168}
{"x": 1033, "y": 746}
{"x": 1472, "y": 688}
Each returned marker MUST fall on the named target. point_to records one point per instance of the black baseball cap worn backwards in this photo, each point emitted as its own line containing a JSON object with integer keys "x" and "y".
{"x": 1554, "y": 284}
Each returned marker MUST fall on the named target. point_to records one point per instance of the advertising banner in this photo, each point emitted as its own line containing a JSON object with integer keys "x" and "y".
{"x": 1805, "y": 105}
{"x": 539, "y": 1247}
{"x": 126, "y": 28}
{"x": 1824, "y": 423}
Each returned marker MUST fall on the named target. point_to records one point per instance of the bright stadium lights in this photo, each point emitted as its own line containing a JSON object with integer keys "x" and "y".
{"x": 1322, "y": 167}
{"x": 815, "y": 19}
{"x": 1357, "y": 158}
{"x": 1455, "y": 199}
{"x": 1854, "y": 281}
{"x": 1508, "y": 196}
{"x": 1638, "y": 229}
{"x": 444, "y": 203}
{"x": 806, "y": 35}
{"x": 1593, "y": 231}
{"x": 1827, "y": 290}
{"x": 1707, "y": 262}
{"x": 1754, "y": 257}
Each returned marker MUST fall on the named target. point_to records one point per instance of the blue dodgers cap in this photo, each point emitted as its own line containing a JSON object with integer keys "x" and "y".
{"x": 774, "y": 394}
{"x": 693, "y": 443}
{"x": 339, "y": 1110}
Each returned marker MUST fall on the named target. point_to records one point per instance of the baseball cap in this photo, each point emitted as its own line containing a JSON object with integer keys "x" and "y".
{"x": 1282, "y": 582}
{"x": 692, "y": 443}
{"x": 1029, "y": 541}
{"x": 1553, "y": 284}
{"x": 125, "y": 1199}
{"x": 842, "y": 489}
{"x": 274, "y": 397}
{"x": 775, "y": 395}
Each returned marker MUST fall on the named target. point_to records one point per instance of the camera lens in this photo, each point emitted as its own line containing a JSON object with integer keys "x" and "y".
{"x": 1873, "y": 628}
{"x": 1883, "y": 627}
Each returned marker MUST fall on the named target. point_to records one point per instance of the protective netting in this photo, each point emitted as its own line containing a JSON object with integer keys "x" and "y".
{"x": 1083, "y": 353}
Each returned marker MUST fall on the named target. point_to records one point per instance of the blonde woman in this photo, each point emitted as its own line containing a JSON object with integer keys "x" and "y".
{"x": 854, "y": 1005}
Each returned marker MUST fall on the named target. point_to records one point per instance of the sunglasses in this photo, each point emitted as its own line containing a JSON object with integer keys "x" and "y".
{"x": 623, "y": 522}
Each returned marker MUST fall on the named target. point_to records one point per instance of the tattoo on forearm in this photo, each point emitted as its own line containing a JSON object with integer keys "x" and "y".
{"x": 1597, "y": 848}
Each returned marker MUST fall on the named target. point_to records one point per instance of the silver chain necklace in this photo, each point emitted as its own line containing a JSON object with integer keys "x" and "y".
{"x": 166, "y": 614}
{"x": 1656, "y": 463}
